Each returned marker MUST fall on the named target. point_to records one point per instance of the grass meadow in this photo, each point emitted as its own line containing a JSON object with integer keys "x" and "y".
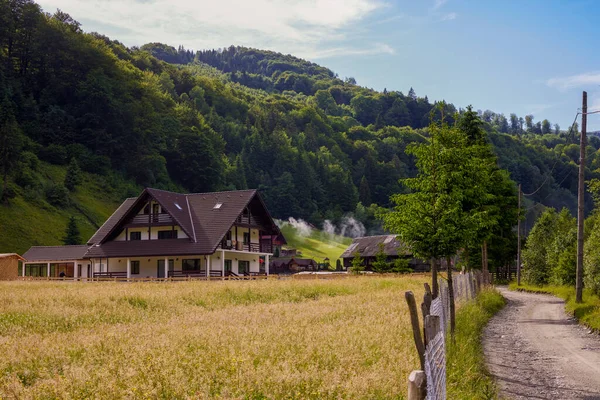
{"x": 310, "y": 339}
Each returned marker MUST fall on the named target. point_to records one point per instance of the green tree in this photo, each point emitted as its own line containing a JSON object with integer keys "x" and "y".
{"x": 536, "y": 270}
{"x": 562, "y": 253}
{"x": 72, "y": 234}
{"x": 11, "y": 143}
{"x": 73, "y": 175}
{"x": 357, "y": 264}
{"x": 381, "y": 263}
{"x": 546, "y": 127}
{"x": 529, "y": 122}
{"x": 591, "y": 260}
{"x": 364, "y": 193}
{"x": 431, "y": 219}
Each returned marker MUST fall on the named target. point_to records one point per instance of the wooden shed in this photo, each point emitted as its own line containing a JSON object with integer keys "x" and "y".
{"x": 9, "y": 266}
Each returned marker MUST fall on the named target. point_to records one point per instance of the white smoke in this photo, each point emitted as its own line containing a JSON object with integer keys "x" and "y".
{"x": 301, "y": 226}
{"x": 349, "y": 226}
{"x": 328, "y": 227}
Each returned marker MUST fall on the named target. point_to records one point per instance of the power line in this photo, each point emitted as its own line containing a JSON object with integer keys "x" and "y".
{"x": 555, "y": 162}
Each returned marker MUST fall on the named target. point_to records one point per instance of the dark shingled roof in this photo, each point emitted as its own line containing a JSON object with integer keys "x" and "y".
{"x": 195, "y": 213}
{"x": 368, "y": 246}
{"x": 112, "y": 221}
{"x": 55, "y": 253}
{"x": 303, "y": 261}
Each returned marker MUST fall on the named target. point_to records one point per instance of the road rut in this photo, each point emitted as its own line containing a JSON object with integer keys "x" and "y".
{"x": 536, "y": 351}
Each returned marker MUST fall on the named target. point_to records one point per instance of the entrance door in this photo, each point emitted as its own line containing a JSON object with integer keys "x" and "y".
{"x": 243, "y": 267}
{"x": 227, "y": 266}
{"x": 160, "y": 270}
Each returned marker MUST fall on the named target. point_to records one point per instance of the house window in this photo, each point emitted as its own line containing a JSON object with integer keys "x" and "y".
{"x": 135, "y": 267}
{"x": 167, "y": 234}
{"x": 246, "y": 237}
{"x": 191, "y": 264}
{"x": 135, "y": 235}
{"x": 155, "y": 208}
{"x": 243, "y": 267}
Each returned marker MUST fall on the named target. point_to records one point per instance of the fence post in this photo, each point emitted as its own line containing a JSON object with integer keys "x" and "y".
{"x": 426, "y": 304}
{"x": 414, "y": 320}
{"x": 417, "y": 387}
{"x": 431, "y": 327}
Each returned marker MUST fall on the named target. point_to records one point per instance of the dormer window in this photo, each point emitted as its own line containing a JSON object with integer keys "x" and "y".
{"x": 217, "y": 206}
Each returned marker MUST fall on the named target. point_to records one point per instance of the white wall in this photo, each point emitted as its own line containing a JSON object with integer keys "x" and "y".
{"x": 254, "y": 238}
{"x": 149, "y": 265}
{"x": 154, "y": 232}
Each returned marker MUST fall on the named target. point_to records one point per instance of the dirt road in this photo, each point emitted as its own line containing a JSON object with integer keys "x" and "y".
{"x": 536, "y": 351}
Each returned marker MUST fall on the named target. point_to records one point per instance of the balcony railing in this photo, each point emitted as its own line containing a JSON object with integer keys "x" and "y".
{"x": 152, "y": 219}
{"x": 252, "y": 247}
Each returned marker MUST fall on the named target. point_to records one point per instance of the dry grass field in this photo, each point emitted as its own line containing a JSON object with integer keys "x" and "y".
{"x": 328, "y": 339}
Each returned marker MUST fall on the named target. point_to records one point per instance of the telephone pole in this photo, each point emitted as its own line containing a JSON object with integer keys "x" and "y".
{"x": 580, "y": 193}
{"x": 519, "y": 240}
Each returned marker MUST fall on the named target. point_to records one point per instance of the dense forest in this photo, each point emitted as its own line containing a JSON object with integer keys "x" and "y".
{"x": 318, "y": 146}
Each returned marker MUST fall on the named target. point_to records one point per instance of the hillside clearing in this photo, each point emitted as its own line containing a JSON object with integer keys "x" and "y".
{"x": 345, "y": 338}
{"x": 317, "y": 245}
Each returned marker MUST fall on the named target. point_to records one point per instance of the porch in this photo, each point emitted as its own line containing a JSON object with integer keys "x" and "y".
{"x": 223, "y": 263}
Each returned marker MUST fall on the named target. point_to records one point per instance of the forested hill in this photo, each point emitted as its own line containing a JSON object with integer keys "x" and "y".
{"x": 319, "y": 147}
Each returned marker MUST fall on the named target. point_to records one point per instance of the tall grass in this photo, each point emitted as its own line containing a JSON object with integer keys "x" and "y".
{"x": 347, "y": 338}
{"x": 467, "y": 375}
{"x": 587, "y": 312}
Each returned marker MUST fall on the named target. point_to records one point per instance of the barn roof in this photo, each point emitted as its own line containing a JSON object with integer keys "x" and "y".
{"x": 368, "y": 246}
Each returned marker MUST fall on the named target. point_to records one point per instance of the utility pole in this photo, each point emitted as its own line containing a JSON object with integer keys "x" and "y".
{"x": 580, "y": 193}
{"x": 519, "y": 240}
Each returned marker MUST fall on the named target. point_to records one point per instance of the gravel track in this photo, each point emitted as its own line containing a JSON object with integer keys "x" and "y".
{"x": 536, "y": 351}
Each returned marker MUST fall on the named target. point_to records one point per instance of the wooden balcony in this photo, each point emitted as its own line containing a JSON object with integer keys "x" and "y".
{"x": 150, "y": 219}
{"x": 263, "y": 247}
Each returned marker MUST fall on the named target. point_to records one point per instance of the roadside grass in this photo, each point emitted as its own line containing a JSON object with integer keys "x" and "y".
{"x": 467, "y": 375}
{"x": 587, "y": 312}
{"x": 309, "y": 339}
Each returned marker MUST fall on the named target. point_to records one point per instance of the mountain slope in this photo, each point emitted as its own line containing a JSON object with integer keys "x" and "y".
{"x": 318, "y": 147}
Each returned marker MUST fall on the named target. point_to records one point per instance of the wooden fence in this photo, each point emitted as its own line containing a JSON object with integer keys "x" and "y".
{"x": 430, "y": 381}
{"x": 316, "y": 276}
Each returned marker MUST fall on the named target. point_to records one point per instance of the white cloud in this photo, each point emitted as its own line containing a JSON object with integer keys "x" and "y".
{"x": 574, "y": 81}
{"x": 438, "y": 3}
{"x": 301, "y": 27}
{"x": 377, "y": 48}
{"x": 449, "y": 16}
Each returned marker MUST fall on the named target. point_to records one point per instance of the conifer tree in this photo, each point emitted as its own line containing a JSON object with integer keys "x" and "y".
{"x": 73, "y": 176}
{"x": 72, "y": 234}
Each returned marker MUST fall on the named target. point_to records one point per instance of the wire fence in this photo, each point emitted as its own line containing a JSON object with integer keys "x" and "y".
{"x": 436, "y": 321}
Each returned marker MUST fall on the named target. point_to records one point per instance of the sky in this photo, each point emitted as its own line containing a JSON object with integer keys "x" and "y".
{"x": 524, "y": 57}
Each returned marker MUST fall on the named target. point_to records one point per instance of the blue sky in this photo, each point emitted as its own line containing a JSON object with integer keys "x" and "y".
{"x": 527, "y": 57}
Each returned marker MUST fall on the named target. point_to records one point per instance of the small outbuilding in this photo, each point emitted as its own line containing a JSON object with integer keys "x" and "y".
{"x": 9, "y": 266}
{"x": 368, "y": 247}
{"x": 290, "y": 265}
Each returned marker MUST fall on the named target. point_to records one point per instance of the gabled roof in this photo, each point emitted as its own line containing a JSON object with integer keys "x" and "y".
{"x": 55, "y": 253}
{"x": 196, "y": 214}
{"x": 10, "y": 255}
{"x": 303, "y": 261}
{"x": 112, "y": 221}
{"x": 368, "y": 246}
